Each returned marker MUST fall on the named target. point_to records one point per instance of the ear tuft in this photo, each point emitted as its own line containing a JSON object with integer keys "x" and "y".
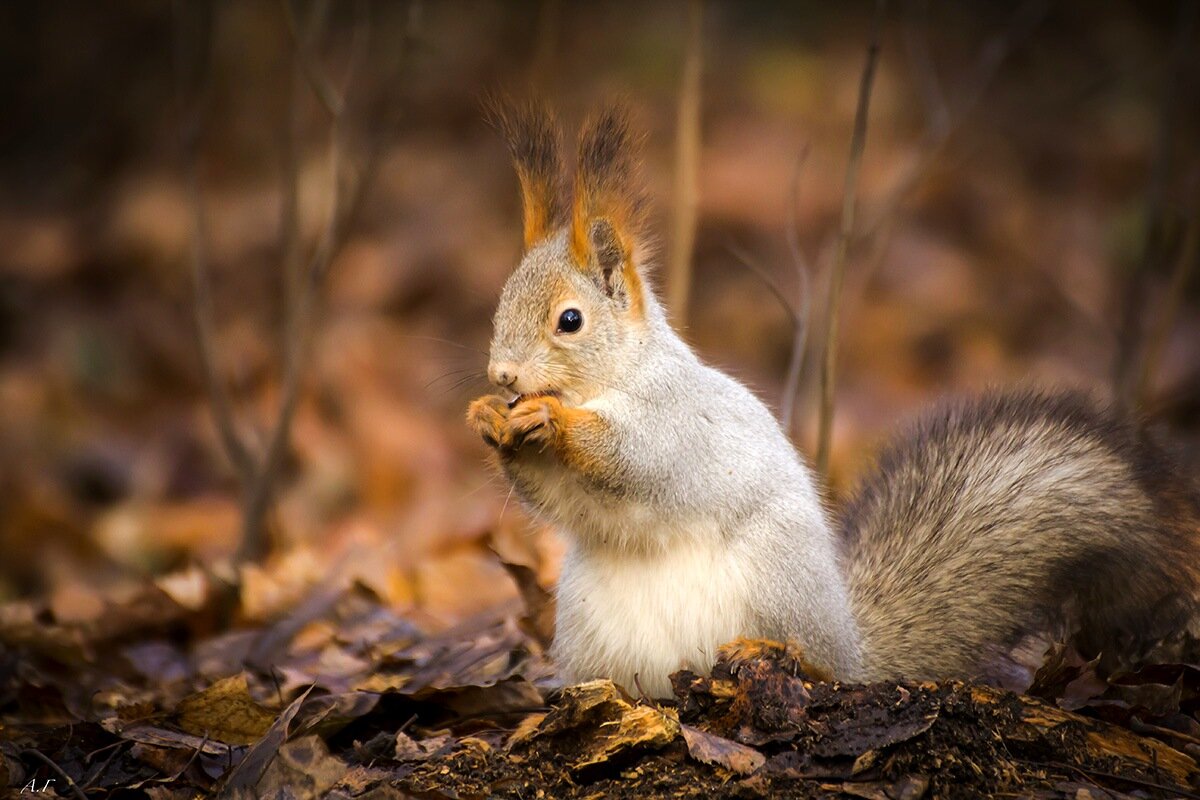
{"x": 607, "y": 251}
{"x": 607, "y": 185}
{"x": 535, "y": 142}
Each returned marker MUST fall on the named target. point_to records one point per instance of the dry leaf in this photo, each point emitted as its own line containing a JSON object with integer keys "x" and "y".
{"x": 187, "y": 587}
{"x": 712, "y": 749}
{"x": 226, "y": 712}
{"x": 303, "y": 769}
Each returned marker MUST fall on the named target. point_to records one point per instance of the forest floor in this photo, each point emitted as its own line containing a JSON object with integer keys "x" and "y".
{"x": 171, "y": 694}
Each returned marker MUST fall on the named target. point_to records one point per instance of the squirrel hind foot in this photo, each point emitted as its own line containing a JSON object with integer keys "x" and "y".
{"x": 734, "y": 656}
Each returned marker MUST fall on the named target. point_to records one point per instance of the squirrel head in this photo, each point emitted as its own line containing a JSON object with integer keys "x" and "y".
{"x": 572, "y": 314}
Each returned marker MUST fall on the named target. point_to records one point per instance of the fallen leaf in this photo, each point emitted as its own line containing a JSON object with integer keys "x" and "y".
{"x": 712, "y": 749}
{"x": 165, "y": 737}
{"x": 303, "y": 770}
{"x": 226, "y": 712}
{"x": 251, "y": 768}
{"x": 188, "y": 587}
{"x": 409, "y": 749}
{"x": 538, "y": 619}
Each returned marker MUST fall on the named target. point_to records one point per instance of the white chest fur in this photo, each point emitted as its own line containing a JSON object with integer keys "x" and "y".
{"x": 622, "y": 614}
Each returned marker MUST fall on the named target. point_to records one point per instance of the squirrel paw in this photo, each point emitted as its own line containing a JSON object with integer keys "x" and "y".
{"x": 733, "y": 656}
{"x": 488, "y": 416}
{"x": 537, "y": 419}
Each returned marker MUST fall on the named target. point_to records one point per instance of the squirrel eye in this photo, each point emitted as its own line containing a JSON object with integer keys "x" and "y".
{"x": 570, "y": 321}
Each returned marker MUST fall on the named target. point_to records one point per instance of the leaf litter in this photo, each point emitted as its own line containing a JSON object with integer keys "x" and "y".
{"x": 174, "y": 694}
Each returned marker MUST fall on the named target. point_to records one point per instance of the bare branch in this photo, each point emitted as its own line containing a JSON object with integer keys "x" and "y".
{"x": 747, "y": 261}
{"x": 1133, "y": 290}
{"x": 687, "y": 168}
{"x": 344, "y": 205}
{"x": 1185, "y": 266}
{"x": 192, "y": 92}
{"x": 838, "y": 268}
{"x": 545, "y": 48}
{"x": 359, "y": 42}
{"x": 791, "y": 382}
{"x": 302, "y": 42}
{"x": 916, "y": 44}
{"x": 299, "y": 301}
{"x": 205, "y": 330}
{"x": 944, "y": 120}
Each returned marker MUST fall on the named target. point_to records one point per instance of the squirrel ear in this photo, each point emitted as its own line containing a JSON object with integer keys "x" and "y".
{"x": 607, "y": 213}
{"x": 534, "y": 139}
{"x": 609, "y": 258}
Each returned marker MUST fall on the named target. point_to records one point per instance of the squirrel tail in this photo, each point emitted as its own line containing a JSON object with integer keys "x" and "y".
{"x": 997, "y": 524}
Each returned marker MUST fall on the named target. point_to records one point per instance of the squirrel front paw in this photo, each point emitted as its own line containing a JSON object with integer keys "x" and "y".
{"x": 535, "y": 420}
{"x": 488, "y": 416}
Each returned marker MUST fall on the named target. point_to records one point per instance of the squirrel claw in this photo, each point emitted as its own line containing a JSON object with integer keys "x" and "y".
{"x": 488, "y": 416}
{"x": 534, "y": 420}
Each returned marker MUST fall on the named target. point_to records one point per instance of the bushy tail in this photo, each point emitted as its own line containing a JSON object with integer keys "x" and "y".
{"x": 1015, "y": 518}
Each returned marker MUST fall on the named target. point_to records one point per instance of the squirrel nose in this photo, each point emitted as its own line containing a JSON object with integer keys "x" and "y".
{"x": 503, "y": 374}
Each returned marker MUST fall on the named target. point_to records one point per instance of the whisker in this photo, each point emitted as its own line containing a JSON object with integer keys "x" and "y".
{"x": 504, "y": 507}
{"x": 465, "y": 381}
{"x": 443, "y": 341}
{"x": 452, "y": 374}
{"x": 570, "y": 372}
{"x": 491, "y": 481}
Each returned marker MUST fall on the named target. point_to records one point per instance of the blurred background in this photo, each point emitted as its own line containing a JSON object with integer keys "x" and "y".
{"x": 1028, "y": 185}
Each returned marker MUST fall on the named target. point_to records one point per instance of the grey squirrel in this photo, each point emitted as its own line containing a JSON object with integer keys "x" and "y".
{"x": 690, "y": 519}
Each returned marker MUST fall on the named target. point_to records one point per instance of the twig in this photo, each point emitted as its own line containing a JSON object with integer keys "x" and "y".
{"x": 191, "y": 760}
{"x": 916, "y": 45}
{"x": 301, "y": 296}
{"x": 192, "y": 68}
{"x": 303, "y": 278}
{"x": 642, "y": 696}
{"x": 749, "y": 263}
{"x": 545, "y": 48}
{"x": 687, "y": 167}
{"x": 1091, "y": 773}
{"x": 857, "y": 143}
{"x": 1185, "y": 265}
{"x": 791, "y": 382}
{"x": 205, "y": 330}
{"x": 57, "y": 770}
{"x": 944, "y": 118}
{"x": 302, "y": 42}
{"x": 116, "y": 750}
{"x": 1133, "y": 292}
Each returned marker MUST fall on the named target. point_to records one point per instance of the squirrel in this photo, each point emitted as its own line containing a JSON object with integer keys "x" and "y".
{"x": 691, "y": 520}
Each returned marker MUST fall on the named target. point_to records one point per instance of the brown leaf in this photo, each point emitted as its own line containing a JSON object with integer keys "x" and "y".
{"x": 189, "y": 587}
{"x": 250, "y": 769}
{"x": 409, "y": 749}
{"x": 712, "y": 749}
{"x": 508, "y": 696}
{"x": 164, "y": 737}
{"x": 538, "y": 619}
{"x": 226, "y": 712}
{"x": 522, "y": 563}
{"x": 303, "y": 770}
{"x": 911, "y": 787}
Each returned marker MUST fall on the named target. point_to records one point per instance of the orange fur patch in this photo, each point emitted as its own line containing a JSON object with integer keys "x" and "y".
{"x": 790, "y": 654}
{"x": 607, "y": 188}
{"x": 487, "y": 416}
{"x": 571, "y": 433}
{"x": 533, "y": 138}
